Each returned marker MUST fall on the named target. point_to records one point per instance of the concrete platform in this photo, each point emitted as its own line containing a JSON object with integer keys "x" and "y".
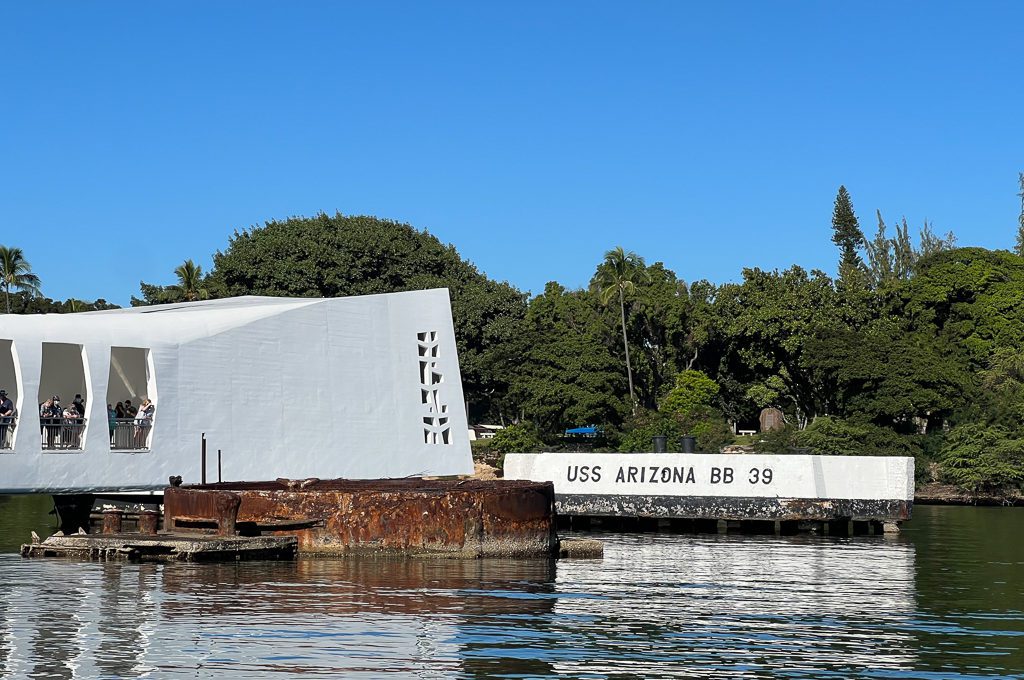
{"x": 802, "y": 491}
{"x": 164, "y": 547}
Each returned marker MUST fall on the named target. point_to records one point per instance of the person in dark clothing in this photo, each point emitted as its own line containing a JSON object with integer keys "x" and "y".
{"x": 6, "y": 418}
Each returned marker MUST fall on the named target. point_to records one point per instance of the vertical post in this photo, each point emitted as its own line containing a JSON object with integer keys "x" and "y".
{"x": 218, "y": 465}
{"x": 203, "y": 474}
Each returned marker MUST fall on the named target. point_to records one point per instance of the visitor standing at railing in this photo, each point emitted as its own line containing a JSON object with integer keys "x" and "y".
{"x": 143, "y": 422}
{"x": 111, "y": 422}
{"x": 6, "y": 418}
{"x": 49, "y": 419}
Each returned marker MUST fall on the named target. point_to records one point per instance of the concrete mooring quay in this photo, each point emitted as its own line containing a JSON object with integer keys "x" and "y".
{"x": 182, "y": 547}
{"x": 725, "y": 492}
{"x": 467, "y": 518}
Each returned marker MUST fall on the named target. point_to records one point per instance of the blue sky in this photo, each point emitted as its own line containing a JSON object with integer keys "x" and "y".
{"x": 532, "y": 136}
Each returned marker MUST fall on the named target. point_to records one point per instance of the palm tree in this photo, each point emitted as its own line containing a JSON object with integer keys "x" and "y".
{"x": 16, "y": 272}
{"x": 190, "y": 281}
{"x": 618, "y": 276}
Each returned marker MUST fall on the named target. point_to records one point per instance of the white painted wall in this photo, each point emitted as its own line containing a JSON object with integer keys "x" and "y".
{"x": 286, "y": 387}
{"x": 682, "y": 474}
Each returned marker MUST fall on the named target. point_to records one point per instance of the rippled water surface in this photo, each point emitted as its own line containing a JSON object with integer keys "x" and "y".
{"x": 942, "y": 600}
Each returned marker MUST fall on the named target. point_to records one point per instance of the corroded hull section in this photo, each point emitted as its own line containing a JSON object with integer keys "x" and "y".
{"x": 469, "y": 518}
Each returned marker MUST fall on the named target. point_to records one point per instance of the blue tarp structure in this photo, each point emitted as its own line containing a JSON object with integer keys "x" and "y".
{"x": 589, "y": 429}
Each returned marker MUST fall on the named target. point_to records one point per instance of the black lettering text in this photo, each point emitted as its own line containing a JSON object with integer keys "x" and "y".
{"x": 595, "y": 473}
{"x": 631, "y": 474}
{"x": 621, "y": 477}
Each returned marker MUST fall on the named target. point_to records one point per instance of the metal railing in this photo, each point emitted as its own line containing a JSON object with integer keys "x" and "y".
{"x": 130, "y": 434}
{"x": 62, "y": 433}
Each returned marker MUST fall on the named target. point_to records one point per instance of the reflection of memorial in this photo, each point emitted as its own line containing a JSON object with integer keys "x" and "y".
{"x": 740, "y": 606}
{"x": 332, "y": 617}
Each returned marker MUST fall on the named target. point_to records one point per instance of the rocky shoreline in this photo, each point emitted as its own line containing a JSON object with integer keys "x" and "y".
{"x": 935, "y": 493}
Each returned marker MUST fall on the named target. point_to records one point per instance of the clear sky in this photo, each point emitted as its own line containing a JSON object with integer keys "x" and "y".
{"x": 533, "y": 136}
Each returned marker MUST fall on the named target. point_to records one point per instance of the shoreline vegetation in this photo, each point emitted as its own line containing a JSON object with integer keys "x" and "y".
{"x": 911, "y": 349}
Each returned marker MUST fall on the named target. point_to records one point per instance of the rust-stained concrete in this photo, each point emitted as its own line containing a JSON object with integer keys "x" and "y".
{"x": 733, "y": 508}
{"x": 467, "y": 518}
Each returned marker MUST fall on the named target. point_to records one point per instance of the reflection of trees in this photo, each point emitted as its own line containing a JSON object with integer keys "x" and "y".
{"x": 969, "y": 587}
{"x": 21, "y": 515}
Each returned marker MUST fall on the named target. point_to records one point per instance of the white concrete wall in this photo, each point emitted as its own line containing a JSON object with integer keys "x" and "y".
{"x": 734, "y": 475}
{"x": 287, "y": 388}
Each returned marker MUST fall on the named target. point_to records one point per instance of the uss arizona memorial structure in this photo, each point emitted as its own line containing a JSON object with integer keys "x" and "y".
{"x": 359, "y": 387}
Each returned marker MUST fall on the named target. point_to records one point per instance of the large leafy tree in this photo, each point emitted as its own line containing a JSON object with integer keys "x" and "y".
{"x": 616, "y": 279}
{"x": 564, "y": 374}
{"x": 16, "y": 273}
{"x": 337, "y": 255}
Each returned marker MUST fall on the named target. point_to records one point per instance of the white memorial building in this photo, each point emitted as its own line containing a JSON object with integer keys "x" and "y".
{"x": 360, "y": 387}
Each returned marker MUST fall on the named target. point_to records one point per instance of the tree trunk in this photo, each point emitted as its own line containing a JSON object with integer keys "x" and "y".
{"x": 625, "y": 343}
{"x": 7, "y": 296}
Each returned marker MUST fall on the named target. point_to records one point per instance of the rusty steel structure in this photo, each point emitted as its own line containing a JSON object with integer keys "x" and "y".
{"x": 413, "y": 516}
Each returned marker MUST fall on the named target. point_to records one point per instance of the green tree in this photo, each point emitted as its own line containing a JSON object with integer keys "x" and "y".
{"x": 561, "y": 371}
{"x": 519, "y": 438}
{"x": 693, "y": 390}
{"x": 1019, "y": 249}
{"x": 16, "y": 273}
{"x": 979, "y": 458}
{"x": 190, "y": 281}
{"x": 846, "y": 234}
{"x": 881, "y": 255}
{"x": 339, "y": 255}
{"x": 616, "y": 278}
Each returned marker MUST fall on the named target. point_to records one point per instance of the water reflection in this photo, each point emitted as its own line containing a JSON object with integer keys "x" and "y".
{"x": 937, "y": 602}
{"x": 742, "y": 606}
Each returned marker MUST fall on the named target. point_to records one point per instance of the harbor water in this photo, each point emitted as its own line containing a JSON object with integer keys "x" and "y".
{"x": 944, "y": 599}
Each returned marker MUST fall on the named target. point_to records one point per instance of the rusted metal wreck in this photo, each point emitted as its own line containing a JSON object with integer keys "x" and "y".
{"x": 457, "y": 518}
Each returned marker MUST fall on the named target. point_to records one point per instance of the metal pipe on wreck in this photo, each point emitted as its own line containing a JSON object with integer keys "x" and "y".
{"x": 202, "y": 476}
{"x": 218, "y": 466}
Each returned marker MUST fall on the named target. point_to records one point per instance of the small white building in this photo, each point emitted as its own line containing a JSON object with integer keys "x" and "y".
{"x": 361, "y": 387}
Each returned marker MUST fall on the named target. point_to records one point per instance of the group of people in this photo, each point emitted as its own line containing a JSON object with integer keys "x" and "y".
{"x": 62, "y": 426}
{"x": 129, "y": 426}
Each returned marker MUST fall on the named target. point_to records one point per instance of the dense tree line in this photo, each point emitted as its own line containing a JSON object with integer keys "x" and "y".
{"x": 913, "y": 349}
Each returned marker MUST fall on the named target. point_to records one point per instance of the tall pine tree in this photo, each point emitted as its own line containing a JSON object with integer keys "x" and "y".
{"x": 1020, "y": 220}
{"x": 847, "y": 235}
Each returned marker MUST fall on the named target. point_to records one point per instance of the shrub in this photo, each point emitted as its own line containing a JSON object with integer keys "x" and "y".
{"x": 781, "y": 440}
{"x": 979, "y": 458}
{"x": 832, "y": 436}
{"x": 639, "y": 434}
{"x": 693, "y": 391}
{"x": 521, "y": 438}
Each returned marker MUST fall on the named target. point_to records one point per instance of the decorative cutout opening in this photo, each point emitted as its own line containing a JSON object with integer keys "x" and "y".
{"x": 131, "y": 399}
{"x": 63, "y": 396}
{"x": 436, "y": 429}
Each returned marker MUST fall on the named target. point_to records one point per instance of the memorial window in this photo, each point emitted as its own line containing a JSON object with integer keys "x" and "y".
{"x": 63, "y": 397}
{"x": 10, "y": 395}
{"x": 131, "y": 398}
